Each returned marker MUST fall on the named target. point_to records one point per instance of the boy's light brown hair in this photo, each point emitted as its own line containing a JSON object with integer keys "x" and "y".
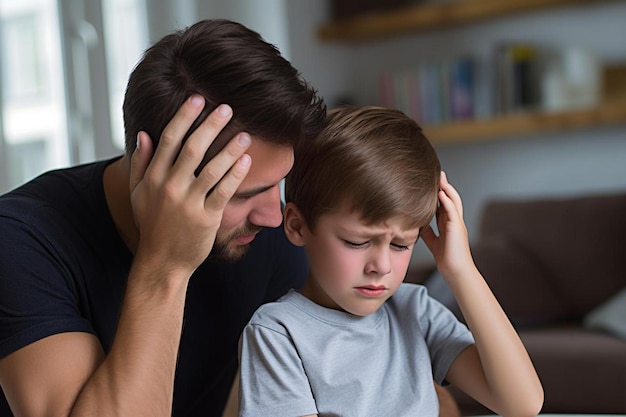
{"x": 375, "y": 159}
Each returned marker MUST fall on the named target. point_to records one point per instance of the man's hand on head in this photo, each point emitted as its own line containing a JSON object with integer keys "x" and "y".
{"x": 176, "y": 212}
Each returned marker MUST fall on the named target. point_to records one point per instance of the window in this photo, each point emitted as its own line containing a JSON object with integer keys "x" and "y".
{"x": 34, "y": 133}
{"x": 24, "y": 76}
{"x": 53, "y": 106}
{"x": 126, "y": 33}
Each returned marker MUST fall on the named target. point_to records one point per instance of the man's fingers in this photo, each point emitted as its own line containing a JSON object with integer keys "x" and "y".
{"x": 217, "y": 167}
{"x": 173, "y": 134}
{"x": 195, "y": 148}
{"x": 226, "y": 188}
{"x": 221, "y": 163}
{"x": 140, "y": 159}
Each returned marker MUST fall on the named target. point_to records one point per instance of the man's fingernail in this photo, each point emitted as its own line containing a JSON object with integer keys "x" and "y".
{"x": 244, "y": 139}
{"x": 196, "y": 100}
{"x": 224, "y": 110}
{"x": 138, "y": 143}
{"x": 245, "y": 159}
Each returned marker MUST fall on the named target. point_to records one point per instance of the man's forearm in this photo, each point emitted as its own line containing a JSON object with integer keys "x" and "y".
{"x": 137, "y": 377}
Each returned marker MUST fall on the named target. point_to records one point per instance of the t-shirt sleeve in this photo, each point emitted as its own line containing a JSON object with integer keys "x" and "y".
{"x": 273, "y": 380}
{"x": 36, "y": 298}
{"x": 445, "y": 335}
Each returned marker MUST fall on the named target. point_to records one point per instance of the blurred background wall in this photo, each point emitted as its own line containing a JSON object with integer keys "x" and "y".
{"x": 64, "y": 65}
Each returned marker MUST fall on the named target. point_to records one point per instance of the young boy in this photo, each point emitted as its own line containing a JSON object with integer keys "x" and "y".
{"x": 356, "y": 341}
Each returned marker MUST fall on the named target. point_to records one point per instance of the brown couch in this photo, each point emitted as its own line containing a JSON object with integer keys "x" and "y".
{"x": 551, "y": 263}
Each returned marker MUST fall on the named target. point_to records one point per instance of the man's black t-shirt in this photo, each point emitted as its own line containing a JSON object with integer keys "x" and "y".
{"x": 63, "y": 268}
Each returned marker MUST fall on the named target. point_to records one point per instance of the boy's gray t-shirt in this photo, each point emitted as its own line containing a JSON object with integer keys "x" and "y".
{"x": 299, "y": 358}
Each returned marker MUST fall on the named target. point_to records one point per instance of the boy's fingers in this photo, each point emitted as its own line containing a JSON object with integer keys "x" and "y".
{"x": 428, "y": 236}
{"x": 451, "y": 193}
{"x": 140, "y": 159}
{"x": 447, "y": 207}
{"x": 173, "y": 134}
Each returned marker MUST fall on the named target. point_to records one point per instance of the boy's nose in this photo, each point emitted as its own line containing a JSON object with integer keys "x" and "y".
{"x": 380, "y": 262}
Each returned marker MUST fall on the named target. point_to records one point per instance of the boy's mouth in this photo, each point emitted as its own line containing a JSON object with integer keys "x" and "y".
{"x": 372, "y": 290}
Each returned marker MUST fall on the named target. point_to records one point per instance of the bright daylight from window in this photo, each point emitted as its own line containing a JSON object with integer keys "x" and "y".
{"x": 35, "y": 119}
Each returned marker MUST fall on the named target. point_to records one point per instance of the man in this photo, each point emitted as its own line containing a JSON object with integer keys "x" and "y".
{"x": 124, "y": 284}
{"x": 98, "y": 271}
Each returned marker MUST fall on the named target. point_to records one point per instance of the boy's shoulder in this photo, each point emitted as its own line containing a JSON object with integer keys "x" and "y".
{"x": 411, "y": 302}
{"x": 279, "y": 313}
{"x": 409, "y": 293}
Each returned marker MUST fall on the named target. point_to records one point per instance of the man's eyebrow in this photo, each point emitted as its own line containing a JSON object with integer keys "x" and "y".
{"x": 252, "y": 192}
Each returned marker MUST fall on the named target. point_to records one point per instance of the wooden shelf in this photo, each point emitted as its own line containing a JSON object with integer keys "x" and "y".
{"x": 423, "y": 17}
{"x": 430, "y": 16}
{"x": 609, "y": 113}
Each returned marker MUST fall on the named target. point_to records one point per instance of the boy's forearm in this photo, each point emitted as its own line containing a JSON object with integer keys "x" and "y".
{"x": 508, "y": 370}
{"x": 447, "y": 404}
{"x": 137, "y": 377}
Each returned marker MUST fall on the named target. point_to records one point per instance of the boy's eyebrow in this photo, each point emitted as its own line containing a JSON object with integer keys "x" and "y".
{"x": 367, "y": 232}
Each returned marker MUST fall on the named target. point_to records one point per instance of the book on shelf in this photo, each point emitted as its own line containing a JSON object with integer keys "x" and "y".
{"x": 517, "y": 77}
{"x": 433, "y": 91}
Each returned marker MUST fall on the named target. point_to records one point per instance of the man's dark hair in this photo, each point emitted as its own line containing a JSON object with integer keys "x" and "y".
{"x": 225, "y": 62}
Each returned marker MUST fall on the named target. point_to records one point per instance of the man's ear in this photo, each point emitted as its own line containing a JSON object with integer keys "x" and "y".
{"x": 294, "y": 224}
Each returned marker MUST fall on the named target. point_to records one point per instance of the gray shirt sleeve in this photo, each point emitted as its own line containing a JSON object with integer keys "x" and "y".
{"x": 445, "y": 336}
{"x": 273, "y": 380}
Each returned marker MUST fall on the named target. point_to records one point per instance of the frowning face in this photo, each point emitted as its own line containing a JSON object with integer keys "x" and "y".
{"x": 354, "y": 266}
{"x": 256, "y": 204}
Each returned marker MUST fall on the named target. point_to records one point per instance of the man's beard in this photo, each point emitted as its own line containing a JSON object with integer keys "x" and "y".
{"x": 225, "y": 250}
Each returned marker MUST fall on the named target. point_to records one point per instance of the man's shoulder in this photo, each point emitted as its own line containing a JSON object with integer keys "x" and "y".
{"x": 54, "y": 186}
{"x": 56, "y": 194}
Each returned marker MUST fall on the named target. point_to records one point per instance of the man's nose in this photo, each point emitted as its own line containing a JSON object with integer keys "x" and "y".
{"x": 266, "y": 212}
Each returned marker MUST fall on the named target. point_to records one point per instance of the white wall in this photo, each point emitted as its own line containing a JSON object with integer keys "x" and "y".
{"x": 545, "y": 165}
{"x": 326, "y": 66}
{"x": 267, "y": 17}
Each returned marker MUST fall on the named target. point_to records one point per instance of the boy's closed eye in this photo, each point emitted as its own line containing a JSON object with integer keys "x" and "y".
{"x": 401, "y": 247}
{"x": 354, "y": 244}
{"x": 396, "y": 246}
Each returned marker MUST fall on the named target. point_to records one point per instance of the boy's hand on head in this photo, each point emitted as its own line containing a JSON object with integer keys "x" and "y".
{"x": 178, "y": 214}
{"x": 451, "y": 247}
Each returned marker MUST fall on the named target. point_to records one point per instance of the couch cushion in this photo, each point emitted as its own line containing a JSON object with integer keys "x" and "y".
{"x": 519, "y": 283}
{"x": 581, "y": 371}
{"x": 578, "y": 244}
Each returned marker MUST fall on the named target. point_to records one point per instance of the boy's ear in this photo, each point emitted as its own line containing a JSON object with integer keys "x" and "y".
{"x": 294, "y": 224}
